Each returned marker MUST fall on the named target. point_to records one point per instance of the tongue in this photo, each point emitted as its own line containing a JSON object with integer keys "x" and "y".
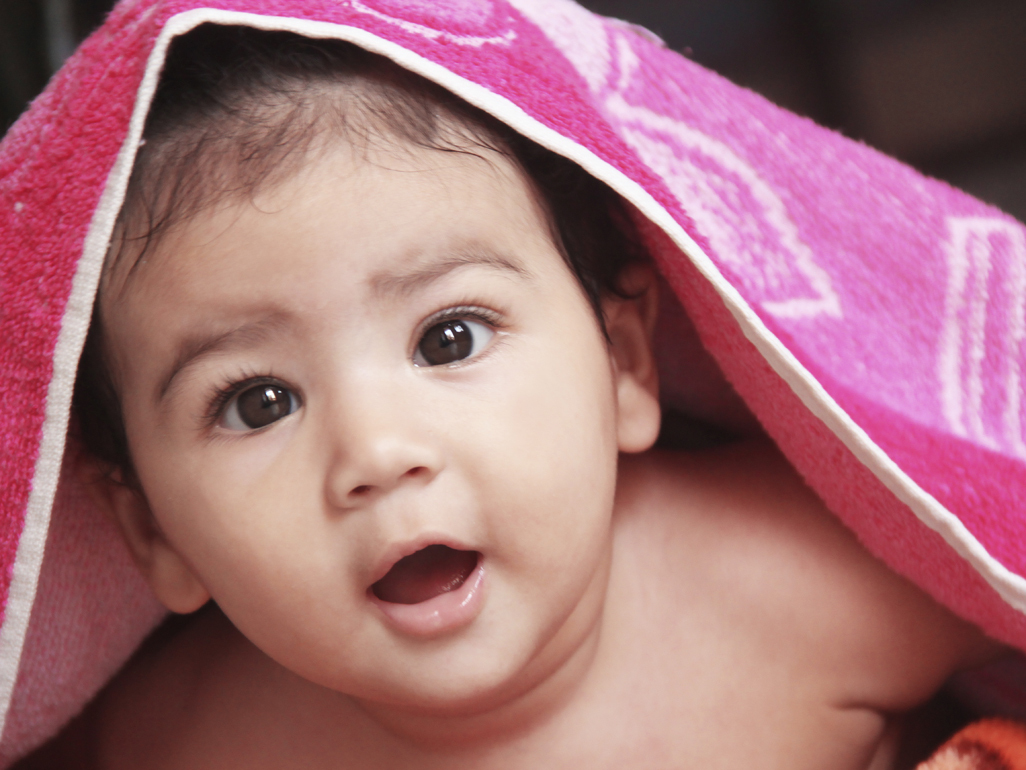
{"x": 425, "y": 574}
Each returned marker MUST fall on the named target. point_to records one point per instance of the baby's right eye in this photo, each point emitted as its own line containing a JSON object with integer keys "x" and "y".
{"x": 258, "y": 406}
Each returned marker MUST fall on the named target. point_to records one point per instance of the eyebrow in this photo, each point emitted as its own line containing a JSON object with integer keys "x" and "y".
{"x": 194, "y": 349}
{"x": 408, "y": 282}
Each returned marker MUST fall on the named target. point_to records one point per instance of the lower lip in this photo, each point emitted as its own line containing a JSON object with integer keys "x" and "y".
{"x": 441, "y": 614}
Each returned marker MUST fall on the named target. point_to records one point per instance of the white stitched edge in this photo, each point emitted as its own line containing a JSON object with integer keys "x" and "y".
{"x": 71, "y": 338}
{"x": 1010, "y": 586}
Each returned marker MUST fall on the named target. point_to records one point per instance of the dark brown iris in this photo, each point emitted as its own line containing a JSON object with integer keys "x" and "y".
{"x": 263, "y": 405}
{"x": 446, "y": 342}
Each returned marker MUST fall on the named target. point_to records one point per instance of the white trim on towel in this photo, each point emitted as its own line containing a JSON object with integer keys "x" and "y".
{"x": 1010, "y": 586}
{"x": 70, "y": 341}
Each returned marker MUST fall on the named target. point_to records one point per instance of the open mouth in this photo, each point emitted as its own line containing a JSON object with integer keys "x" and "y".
{"x": 430, "y": 572}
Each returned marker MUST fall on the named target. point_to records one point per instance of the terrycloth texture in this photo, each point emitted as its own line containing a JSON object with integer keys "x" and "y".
{"x": 871, "y": 319}
{"x": 990, "y": 744}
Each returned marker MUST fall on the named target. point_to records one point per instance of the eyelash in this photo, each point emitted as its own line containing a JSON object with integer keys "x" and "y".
{"x": 472, "y": 312}
{"x": 222, "y": 395}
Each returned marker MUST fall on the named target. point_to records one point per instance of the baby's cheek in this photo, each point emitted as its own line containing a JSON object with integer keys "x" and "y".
{"x": 557, "y": 463}
{"x": 228, "y": 501}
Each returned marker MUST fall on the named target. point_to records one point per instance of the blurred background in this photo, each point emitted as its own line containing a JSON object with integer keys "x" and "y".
{"x": 940, "y": 84}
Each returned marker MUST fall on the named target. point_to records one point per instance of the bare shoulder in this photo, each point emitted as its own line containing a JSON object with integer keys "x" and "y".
{"x": 141, "y": 709}
{"x": 148, "y": 716}
{"x": 735, "y": 535}
{"x": 201, "y": 696}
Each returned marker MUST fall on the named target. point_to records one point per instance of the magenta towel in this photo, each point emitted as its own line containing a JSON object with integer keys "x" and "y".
{"x": 872, "y": 319}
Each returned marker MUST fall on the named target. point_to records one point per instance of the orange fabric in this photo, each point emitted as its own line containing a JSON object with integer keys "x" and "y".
{"x": 990, "y": 744}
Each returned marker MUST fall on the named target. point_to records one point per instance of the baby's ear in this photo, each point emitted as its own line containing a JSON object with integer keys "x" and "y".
{"x": 121, "y": 499}
{"x": 630, "y": 323}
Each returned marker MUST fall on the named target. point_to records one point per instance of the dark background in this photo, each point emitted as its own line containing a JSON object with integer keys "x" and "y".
{"x": 940, "y": 84}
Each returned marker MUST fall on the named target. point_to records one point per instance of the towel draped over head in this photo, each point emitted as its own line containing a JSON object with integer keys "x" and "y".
{"x": 871, "y": 319}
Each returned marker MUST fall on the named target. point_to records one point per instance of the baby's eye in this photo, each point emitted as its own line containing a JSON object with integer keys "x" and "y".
{"x": 258, "y": 406}
{"x": 451, "y": 341}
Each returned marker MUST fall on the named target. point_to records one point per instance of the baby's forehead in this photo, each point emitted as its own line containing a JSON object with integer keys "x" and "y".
{"x": 182, "y": 176}
{"x": 396, "y": 215}
{"x": 347, "y": 172}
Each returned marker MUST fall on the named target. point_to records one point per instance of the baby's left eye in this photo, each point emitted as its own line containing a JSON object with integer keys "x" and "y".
{"x": 450, "y": 341}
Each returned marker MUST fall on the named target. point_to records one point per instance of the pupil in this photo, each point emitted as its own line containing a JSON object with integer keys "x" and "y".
{"x": 263, "y": 405}
{"x": 447, "y": 342}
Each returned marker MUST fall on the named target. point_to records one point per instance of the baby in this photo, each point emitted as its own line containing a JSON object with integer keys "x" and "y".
{"x": 374, "y": 374}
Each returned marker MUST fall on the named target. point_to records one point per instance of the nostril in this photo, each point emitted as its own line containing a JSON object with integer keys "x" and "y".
{"x": 365, "y": 490}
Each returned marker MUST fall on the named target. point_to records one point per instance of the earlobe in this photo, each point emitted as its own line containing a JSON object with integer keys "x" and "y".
{"x": 630, "y": 324}
{"x": 170, "y": 577}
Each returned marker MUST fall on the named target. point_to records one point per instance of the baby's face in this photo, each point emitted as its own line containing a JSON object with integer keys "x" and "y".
{"x": 383, "y": 356}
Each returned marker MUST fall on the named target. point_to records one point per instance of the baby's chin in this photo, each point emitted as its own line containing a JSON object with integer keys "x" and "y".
{"x": 467, "y": 678}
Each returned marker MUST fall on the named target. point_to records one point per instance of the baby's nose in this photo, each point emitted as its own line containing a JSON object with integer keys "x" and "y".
{"x": 377, "y": 450}
{"x": 364, "y": 491}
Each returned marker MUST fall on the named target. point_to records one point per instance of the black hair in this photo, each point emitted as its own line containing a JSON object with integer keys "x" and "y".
{"x": 237, "y": 108}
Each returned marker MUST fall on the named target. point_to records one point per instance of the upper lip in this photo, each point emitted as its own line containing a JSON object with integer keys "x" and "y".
{"x": 396, "y": 551}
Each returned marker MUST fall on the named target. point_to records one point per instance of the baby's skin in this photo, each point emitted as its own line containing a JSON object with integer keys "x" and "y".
{"x": 386, "y": 355}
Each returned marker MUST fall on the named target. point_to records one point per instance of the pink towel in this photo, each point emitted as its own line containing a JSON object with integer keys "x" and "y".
{"x": 872, "y": 319}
